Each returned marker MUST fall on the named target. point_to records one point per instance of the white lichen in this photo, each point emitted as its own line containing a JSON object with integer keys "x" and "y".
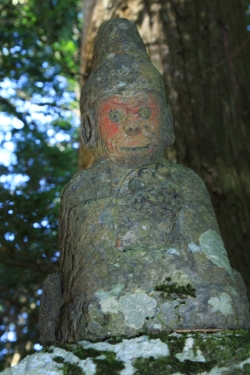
{"x": 223, "y": 303}
{"x": 213, "y": 247}
{"x": 39, "y": 364}
{"x": 189, "y": 353}
{"x": 172, "y": 251}
{"x": 136, "y": 307}
{"x": 193, "y": 247}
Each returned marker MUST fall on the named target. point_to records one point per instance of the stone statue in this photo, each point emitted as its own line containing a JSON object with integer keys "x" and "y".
{"x": 140, "y": 246}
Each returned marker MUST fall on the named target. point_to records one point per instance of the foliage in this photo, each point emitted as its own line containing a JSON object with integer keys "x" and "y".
{"x": 248, "y": 15}
{"x": 39, "y": 73}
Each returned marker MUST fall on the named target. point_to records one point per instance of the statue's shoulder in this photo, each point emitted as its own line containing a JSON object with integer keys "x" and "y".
{"x": 190, "y": 183}
{"x": 83, "y": 185}
{"x": 185, "y": 174}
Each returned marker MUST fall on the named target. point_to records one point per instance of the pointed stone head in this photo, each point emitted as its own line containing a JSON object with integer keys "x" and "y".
{"x": 124, "y": 113}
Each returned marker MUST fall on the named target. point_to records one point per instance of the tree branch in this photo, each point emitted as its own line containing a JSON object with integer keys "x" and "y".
{"x": 13, "y": 110}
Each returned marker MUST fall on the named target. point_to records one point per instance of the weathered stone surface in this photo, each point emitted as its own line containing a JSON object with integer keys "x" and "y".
{"x": 140, "y": 247}
{"x": 222, "y": 353}
{"x": 127, "y": 247}
{"x": 50, "y": 307}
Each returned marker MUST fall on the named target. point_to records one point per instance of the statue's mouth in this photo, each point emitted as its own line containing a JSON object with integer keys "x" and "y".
{"x": 136, "y": 148}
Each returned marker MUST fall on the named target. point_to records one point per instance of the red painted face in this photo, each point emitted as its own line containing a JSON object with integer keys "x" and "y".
{"x": 130, "y": 126}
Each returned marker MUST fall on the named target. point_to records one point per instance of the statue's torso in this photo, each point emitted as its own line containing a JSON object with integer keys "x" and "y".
{"x": 124, "y": 232}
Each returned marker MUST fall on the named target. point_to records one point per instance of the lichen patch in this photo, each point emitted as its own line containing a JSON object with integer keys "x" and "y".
{"x": 213, "y": 247}
{"x": 172, "y": 251}
{"x": 136, "y": 307}
{"x": 193, "y": 247}
{"x": 189, "y": 354}
{"x": 223, "y": 303}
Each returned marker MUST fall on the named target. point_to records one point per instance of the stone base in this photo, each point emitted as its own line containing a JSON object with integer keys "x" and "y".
{"x": 224, "y": 352}
{"x": 187, "y": 290}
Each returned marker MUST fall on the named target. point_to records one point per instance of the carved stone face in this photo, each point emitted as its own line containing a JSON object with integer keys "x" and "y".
{"x": 130, "y": 127}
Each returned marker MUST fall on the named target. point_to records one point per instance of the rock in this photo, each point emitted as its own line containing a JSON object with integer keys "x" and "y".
{"x": 160, "y": 354}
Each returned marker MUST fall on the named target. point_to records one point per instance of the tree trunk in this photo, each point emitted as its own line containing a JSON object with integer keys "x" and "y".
{"x": 202, "y": 48}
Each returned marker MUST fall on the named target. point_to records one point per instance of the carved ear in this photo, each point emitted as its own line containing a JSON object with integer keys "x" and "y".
{"x": 169, "y": 126}
{"x": 88, "y": 129}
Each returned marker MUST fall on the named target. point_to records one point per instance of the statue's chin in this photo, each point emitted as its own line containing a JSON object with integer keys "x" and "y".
{"x": 136, "y": 155}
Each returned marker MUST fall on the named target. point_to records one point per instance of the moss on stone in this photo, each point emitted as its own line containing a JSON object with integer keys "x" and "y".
{"x": 117, "y": 339}
{"x": 58, "y": 359}
{"x": 240, "y": 371}
{"x": 221, "y": 349}
{"x": 246, "y": 369}
{"x": 170, "y": 365}
{"x": 83, "y": 353}
{"x": 108, "y": 366}
{"x": 72, "y": 369}
{"x": 174, "y": 288}
{"x": 232, "y": 344}
{"x": 175, "y": 343}
{"x": 69, "y": 368}
{"x": 67, "y": 347}
{"x": 47, "y": 349}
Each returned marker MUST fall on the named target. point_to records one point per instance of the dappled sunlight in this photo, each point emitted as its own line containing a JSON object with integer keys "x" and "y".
{"x": 38, "y": 155}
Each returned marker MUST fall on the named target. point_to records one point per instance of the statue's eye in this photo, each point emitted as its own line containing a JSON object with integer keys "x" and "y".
{"x": 145, "y": 112}
{"x": 116, "y": 115}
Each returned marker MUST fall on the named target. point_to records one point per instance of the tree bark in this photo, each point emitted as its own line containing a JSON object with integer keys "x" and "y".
{"x": 202, "y": 48}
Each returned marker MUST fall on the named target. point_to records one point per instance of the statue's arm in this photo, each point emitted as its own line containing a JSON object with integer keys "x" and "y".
{"x": 196, "y": 214}
{"x": 52, "y": 296}
{"x": 51, "y": 302}
{"x": 72, "y": 196}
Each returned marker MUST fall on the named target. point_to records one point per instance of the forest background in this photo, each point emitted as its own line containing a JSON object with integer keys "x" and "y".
{"x": 202, "y": 50}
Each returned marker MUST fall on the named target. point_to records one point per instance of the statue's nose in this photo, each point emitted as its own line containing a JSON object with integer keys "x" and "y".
{"x": 132, "y": 127}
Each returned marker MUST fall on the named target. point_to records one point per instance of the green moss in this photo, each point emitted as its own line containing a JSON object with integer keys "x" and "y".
{"x": 82, "y": 353}
{"x": 223, "y": 349}
{"x": 174, "y": 288}
{"x": 170, "y": 365}
{"x": 48, "y": 349}
{"x": 58, "y": 359}
{"x": 175, "y": 344}
{"x": 246, "y": 369}
{"x": 71, "y": 369}
{"x": 151, "y": 366}
{"x": 233, "y": 345}
{"x": 240, "y": 371}
{"x": 116, "y": 340}
{"x": 67, "y": 347}
{"x": 108, "y": 366}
